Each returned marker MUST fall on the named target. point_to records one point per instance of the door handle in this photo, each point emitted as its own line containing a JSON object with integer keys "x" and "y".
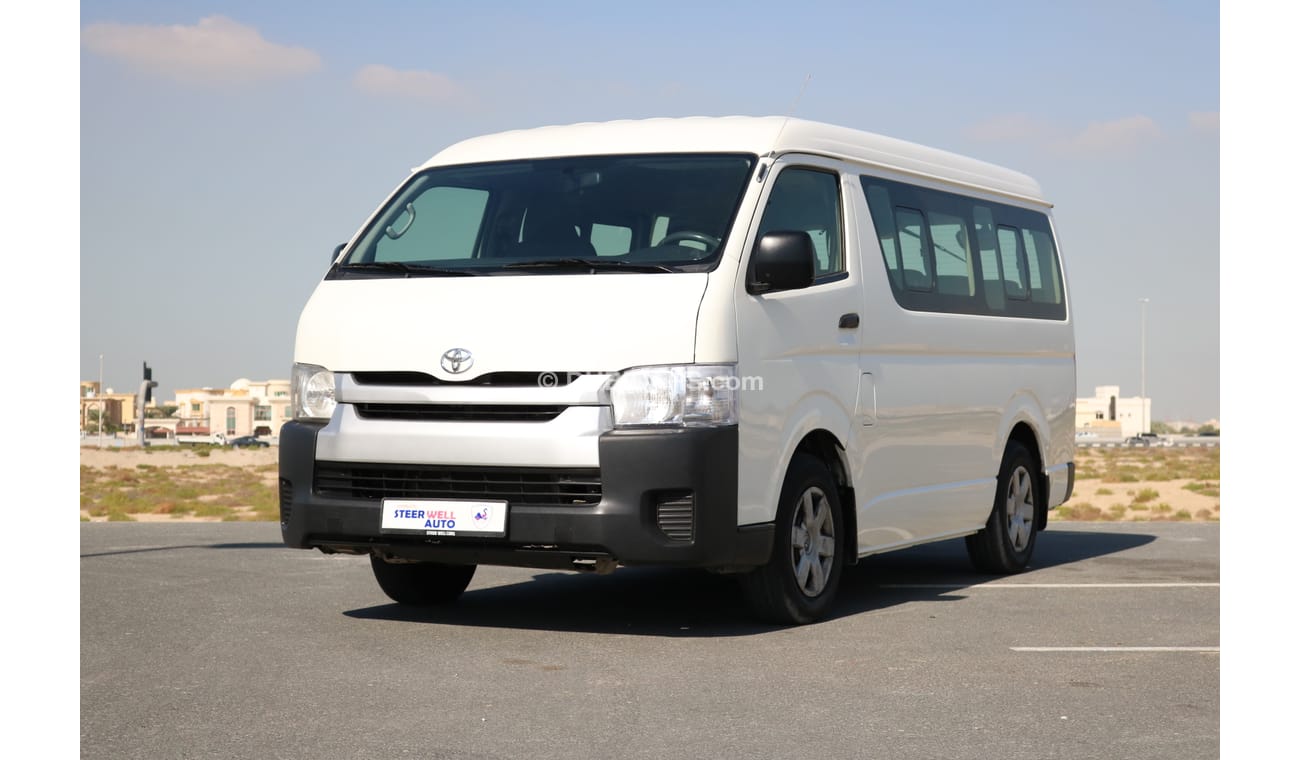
{"x": 848, "y": 321}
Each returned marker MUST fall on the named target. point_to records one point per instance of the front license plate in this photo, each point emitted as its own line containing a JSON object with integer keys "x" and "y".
{"x": 433, "y": 517}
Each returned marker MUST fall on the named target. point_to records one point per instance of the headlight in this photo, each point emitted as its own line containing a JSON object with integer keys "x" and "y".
{"x": 675, "y": 395}
{"x": 313, "y": 392}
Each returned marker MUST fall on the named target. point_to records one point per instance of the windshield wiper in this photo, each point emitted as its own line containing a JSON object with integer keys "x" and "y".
{"x": 411, "y": 270}
{"x": 593, "y": 265}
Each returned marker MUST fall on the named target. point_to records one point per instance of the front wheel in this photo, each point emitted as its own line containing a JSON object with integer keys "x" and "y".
{"x": 1007, "y": 540}
{"x": 799, "y": 582}
{"x": 421, "y": 584}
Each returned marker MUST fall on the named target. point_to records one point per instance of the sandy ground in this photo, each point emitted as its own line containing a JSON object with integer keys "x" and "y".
{"x": 171, "y": 457}
{"x": 129, "y": 458}
{"x": 1170, "y": 492}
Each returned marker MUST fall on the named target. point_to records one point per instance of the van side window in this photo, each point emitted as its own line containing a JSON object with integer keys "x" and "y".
{"x": 1012, "y": 275}
{"x": 912, "y": 244}
{"x": 440, "y": 223}
{"x": 946, "y": 252}
{"x": 995, "y": 296}
{"x": 882, "y": 213}
{"x": 1044, "y": 277}
{"x": 808, "y": 200}
{"x": 952, "y": 264}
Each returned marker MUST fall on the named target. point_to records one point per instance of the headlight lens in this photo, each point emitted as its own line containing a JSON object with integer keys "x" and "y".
{"x": 313, "y": 392}
{"x": 675, "y": 395}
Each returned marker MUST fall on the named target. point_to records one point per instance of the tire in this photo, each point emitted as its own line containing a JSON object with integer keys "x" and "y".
{"x": 799, "y": 581}
{"x": 1007, "y": 540}
{"x": 421, "y": 584}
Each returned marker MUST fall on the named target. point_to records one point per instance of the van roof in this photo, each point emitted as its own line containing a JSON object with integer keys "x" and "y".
{"x": 745, "y": 134}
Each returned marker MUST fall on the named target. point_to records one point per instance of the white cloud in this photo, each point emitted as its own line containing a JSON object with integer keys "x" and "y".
{"x": 1010, "y": 127}
{"x": 215, "y": 51}
{"x": 384, "y": 81}
{"x": 1108, "y": 136}
{"x": 1206, "y": 121}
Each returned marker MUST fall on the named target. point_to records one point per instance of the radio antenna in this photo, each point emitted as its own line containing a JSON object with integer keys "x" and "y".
{"x": 790, "y": 112}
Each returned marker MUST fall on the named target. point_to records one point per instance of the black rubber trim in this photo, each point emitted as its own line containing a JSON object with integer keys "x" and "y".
{"x": 637, "y": 467}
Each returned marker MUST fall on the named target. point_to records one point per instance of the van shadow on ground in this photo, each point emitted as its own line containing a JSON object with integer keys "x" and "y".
{"x": 695, "y": 603}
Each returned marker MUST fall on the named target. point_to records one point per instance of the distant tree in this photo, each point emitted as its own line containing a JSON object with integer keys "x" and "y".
{"x": 92, "y": 422}
{"x": 1207, "y": 429}
{"x": 1160, "y": 428}
{"x": 160, "y": 412}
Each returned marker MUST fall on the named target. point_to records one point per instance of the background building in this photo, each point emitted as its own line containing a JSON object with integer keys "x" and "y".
{"x": 119, "y": 408}
{"x": 247, "y": 407}
{"x": 1110, "y": 416}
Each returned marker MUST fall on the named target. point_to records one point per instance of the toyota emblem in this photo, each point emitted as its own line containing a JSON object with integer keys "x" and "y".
{"x": 457, "y": 360}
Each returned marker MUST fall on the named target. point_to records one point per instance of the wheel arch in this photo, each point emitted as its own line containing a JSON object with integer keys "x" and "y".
{"x": 823, "y": 445}
{"x": 1022, "y": 432}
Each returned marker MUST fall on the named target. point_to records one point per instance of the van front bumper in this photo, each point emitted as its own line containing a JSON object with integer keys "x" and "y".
{"x": 690, "y": 474}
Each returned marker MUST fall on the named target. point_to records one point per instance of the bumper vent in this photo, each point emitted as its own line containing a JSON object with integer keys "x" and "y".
{"x": 460, "y": 412}
{"x": 675, "y": 515}
{"x": 518, "y": 485}
{"x": 286, "y": 501}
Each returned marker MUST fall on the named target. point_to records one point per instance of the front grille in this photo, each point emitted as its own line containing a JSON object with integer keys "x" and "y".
{"x": 460, "y": 412}
{"x": 675, "y": 515}
{"x": 500, "y": 379}
{"x": 518, "y": 485}
{"x": 286, "y": 501}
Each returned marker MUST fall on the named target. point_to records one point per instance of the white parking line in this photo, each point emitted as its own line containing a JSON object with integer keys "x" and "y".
{"x": 960, "y": 586}
{"x": 1114, "y": 649}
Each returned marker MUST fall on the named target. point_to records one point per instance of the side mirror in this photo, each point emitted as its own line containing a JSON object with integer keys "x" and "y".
{"x": 781, "y": 260}
{"x": 337, "y": 250}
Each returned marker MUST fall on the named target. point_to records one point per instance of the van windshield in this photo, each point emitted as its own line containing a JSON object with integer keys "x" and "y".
{"x": 597, "y": 214}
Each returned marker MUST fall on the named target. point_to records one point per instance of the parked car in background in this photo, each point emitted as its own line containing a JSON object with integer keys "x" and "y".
{"x": 247, "y": 442}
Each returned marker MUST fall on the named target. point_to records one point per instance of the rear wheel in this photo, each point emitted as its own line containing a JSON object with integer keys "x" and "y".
{"x": 1007, "y": 540}
{"x": 799, "y": 582}
{"x": 421, "y": 583}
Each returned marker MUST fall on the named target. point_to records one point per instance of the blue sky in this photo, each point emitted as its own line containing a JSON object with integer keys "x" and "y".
{"x": 227, "y": 147}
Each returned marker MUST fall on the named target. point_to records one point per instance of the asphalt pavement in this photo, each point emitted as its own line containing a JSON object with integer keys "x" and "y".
{"x": 214, "y": 641}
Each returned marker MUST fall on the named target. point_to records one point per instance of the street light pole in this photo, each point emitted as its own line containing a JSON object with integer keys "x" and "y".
{"x": 101, "y": 401}
{"x": 1144, "y": 302}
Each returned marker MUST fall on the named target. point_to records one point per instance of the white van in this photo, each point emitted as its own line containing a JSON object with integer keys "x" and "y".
{"x": 761, "y": 346}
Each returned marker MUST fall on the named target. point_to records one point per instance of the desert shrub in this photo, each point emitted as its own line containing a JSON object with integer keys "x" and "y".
{"x": 1105, "y": 492}
{"x": 1080, "y": 511}
{"x": 1145, "y": 495}
{"x": 207, "y": 509}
